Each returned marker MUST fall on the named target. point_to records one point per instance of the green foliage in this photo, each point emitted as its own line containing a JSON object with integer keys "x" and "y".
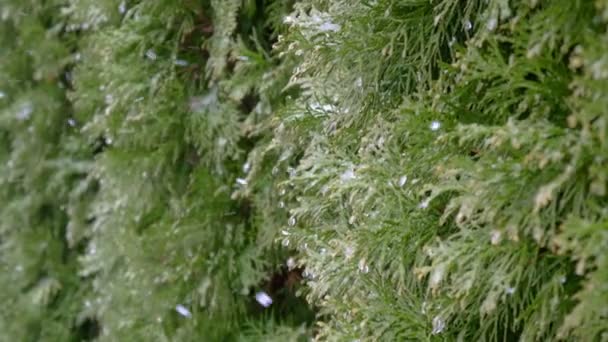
{"x": 170, "y": 232}
{"x": 412, "y": 170}
{"x": 124, "y": 215}
{"x": 42, "y": 166}
{"x": 446, "y": 159}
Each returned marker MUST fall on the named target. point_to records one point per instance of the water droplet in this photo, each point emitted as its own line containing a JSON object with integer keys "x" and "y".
{"x": 281, "y": 204}
{"x": 108, "y": 141}
{"x": 25, "y": 112}
{"x": 349, "y": 252}
{"x": 285, "y": 242}
{"x": 461, "y": 218}
{"x": 435, "y": 125}
{"x": 291, "y": 263}
{"x": 436, "y": 276}
{"x": 363, "y": 267}
{"x": 288, "y": 20}
{"x": 438, "y": 325}
{"x": 275, "y": 171}
{"x": 221, "y": 141}
{"x": 241, "y": 181}
{"x": 246, "y": 167}
{"x": 2, "y": 94}
{"x": 402, "y": 181}
{"x": 359, "y": 82}
{"x": 307, "y": 274}
{"x": 423, "y": 309}
{"x": 151, "y": 55}
{"x": 182, "y": 310}
{"x": 424, "y": 204}
{"x": 292, "y": 221}
{"x": 562, "y": 279}
{"x": 495, "y": 237}
{"x": 468, "y": 25}
{"x": 284, "y": 232}
{"x": 122, "y": 8}
{"x": 348, "y": 175}
{"x": 71, "y": 122}
{"x": 492, "y": 24}
{"x": 510, "y": 290}
{"x": 243, "y": 58}
{"x": 452, "y": 42}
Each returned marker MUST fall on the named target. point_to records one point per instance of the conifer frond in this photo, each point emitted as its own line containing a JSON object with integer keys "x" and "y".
{"x": 293, "y": 170}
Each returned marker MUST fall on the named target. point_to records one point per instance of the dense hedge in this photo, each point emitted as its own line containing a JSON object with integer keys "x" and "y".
{"x": 381, "y": 170}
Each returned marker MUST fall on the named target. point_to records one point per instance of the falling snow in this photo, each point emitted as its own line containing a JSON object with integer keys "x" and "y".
{"x": 263, "y": 298}
{"x": 435, "y": 125}
{"x": 180, "y": 62}
{"x": 182, "y": 310}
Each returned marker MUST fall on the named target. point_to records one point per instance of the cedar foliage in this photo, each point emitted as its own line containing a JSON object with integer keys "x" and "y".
{"x": 384, "y": 170}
